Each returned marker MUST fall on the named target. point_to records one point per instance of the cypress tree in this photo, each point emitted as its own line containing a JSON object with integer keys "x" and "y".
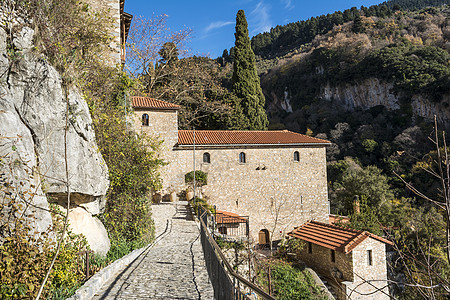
{"x": 245, "y": 81}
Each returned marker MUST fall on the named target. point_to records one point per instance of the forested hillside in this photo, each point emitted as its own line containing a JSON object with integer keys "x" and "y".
{"x": 370, "y": 80}
{"x": 285, "y": 38}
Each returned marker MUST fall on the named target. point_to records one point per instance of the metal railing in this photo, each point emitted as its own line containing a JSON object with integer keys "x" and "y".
{"x": 226, "y": 282}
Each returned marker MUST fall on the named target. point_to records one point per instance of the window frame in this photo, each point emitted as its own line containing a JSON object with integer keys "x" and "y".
{"x": 145, "y": 120}
{"x": 369, "y": 257}
{"x": 242, "y": 158}
{"x": 296, "y": 156}
{"x": 208, "y": 158}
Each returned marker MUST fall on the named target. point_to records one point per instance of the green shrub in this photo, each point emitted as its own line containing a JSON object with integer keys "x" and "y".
{"x": 289, "y": 282}
{"x": 201, "y": 178}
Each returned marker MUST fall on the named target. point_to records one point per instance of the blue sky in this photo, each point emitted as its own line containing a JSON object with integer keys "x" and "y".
{"x": 213, "y": 21}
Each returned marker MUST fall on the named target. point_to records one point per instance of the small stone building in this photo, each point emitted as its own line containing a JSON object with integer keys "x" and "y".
{"x": 352, "y": 261}
{"x": 277, "y": 178}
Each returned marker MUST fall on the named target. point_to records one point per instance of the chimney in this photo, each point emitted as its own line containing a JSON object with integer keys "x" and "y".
{"x": 356, "y": 208}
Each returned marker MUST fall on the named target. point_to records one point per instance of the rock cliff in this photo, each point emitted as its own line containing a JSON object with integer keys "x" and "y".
{"x": 32, "y": 130}
{"x": 373, "y": 92}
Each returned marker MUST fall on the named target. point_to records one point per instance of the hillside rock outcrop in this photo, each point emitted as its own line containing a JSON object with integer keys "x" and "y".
{"x": 32, "y": 131}
{"x": 372, "y": 92}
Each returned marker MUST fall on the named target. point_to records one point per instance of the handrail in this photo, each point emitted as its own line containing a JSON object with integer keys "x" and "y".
{"x": 252, "y": 286}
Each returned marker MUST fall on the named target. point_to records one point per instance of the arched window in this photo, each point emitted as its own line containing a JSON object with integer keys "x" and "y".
{"x": 144, "y": 120}
{"x": 242, "y": 158}
{"x": 296, "y": 156}
{"x": 206, "y": 158}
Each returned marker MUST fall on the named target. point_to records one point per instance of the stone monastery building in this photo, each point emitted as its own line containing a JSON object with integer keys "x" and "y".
{"x": 276, "y": 178}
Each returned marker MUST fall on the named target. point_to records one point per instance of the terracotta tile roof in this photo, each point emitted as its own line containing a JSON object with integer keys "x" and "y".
{"x": 228, "y": 137}
{"x": 332, "y": 219}
{"x": 223, "y": 217}
{"x": 146, "y": 102}
{"x": 333, "y": 237}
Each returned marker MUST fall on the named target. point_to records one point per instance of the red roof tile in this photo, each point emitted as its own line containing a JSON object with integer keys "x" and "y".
{"x": 228, "y": 137}
{"x": 145, "y": 102}
{"x": 223, "y": 217}
{"x": 333, "y": 237}
{"x": 333, "y": 219}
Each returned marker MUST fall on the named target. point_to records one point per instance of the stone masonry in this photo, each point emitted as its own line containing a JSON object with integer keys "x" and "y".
{"x": 348, "y": 272}
{"x": 283, "y": 189}
{"x": 113, "y": 9}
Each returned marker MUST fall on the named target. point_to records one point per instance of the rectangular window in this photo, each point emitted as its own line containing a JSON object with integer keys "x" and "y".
{"x": 333, "y": 256}
{"x": 369, "y": 257}
{"x": 309, "y": 247}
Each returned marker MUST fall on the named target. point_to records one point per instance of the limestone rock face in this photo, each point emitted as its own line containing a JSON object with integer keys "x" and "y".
{"x": 32, "y": 134}
{"x": 367, "y": 94}
{"x": 372, "y": 92}
{"x": 36, "y": 95}
{"x": 82, "y": 222}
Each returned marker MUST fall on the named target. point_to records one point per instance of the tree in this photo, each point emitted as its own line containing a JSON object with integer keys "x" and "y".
{"x": 368, "y": 183}
{"x": 156, "y": 58}
{"x": 245, "y": 80}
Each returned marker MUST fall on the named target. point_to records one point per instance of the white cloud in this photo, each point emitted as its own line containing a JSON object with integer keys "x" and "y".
{"x": 260, "y": 18}
{"x": 288, "y": 4}
{"x": 216, "y": 25}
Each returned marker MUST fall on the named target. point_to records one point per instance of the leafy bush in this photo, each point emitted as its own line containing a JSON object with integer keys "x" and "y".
{"x": 196, "y": 202}
{"x": 25, "y": 258}
{"x": 201, "y": 178}
{"x": 289, "y": 282}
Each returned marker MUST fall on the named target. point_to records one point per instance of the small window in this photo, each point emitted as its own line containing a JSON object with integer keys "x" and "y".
{"x": 333, "y": 256}
{"x": 144, "y": 120}
{"x": 206, "y": 158}
{"x": 369, "y": 257}
{"x": 296, "y": 156}
{"x": 242, "y": 158}
{"x": 309, "y": 247}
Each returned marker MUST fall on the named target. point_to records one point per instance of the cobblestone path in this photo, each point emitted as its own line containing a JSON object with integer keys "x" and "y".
{"x": 173, "y": 268}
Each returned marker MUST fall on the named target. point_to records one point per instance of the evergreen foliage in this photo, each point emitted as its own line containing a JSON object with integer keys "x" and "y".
{"x": 284, "y": 38}
{"x": 245, "y": 80}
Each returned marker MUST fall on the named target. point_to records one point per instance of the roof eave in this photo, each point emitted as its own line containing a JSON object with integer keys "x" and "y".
{"x": 246, "y": 145}
{"x": 156, "y": 108}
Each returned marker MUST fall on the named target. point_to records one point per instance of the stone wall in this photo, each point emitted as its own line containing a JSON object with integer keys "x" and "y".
{"x": 375, "y": 273}
{"x": 163, "y": 125}
{"x": 113, "y": 9}
{"x": 291, "y": 192}
{"x": 285, "y": 194}
{"x": 350, "y": 269}
{"x": 320, "y": 261}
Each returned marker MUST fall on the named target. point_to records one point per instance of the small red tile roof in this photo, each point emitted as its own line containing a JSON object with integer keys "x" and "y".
{"x": 146, "y": 102}
{"x": 333, "y": 237}
{"x": 235, "y": 137}
{"x": 228, "y": 217}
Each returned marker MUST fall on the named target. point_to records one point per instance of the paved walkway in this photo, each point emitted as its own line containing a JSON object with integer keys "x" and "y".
{"x": 173, "y": 268}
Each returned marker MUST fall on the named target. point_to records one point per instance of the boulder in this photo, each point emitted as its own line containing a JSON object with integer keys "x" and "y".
{"x": 82, "y": 222}
{"x": 37, "y": 95}
{"x": 34, "y": 142}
